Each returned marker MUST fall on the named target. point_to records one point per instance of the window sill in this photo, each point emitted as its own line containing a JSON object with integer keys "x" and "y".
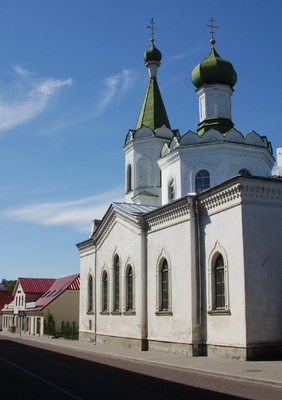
{"x": 104, "y": 313}
{"x": 129, "y": 312}
{"x": 116, "y": 313}
{"x": 90, "y": 312}
{"x": 164, "y": 312}
{"x": 219, "y": 312}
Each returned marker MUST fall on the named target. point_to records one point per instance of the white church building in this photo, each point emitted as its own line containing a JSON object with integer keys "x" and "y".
{"x": 191, "y": 261}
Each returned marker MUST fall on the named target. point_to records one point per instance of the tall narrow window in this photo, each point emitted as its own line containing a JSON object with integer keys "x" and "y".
{"x": 90, "y": 293}
{"x": 129, "y": 178}
{"x": 171, "y": 189}
{"x": 129, "y": 288}
{"x": 164, "y": 287}
{"x": 116, "y": 305}
{"x": 105, "y": 291}
{"x": 202, "y": 180}
{"x": 219, "y": 282}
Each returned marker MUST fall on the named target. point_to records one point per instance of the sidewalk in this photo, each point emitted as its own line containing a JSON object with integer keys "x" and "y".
{"x": 264, "y": 372}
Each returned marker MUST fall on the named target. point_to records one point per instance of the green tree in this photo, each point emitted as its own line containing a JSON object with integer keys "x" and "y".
{"x": 9, "y": 286}
{"x": 49, "y": 324}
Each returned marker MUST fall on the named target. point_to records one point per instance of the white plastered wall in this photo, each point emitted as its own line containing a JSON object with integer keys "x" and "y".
{"x": 125, "y": 241}
{"x": 222, "y": 232}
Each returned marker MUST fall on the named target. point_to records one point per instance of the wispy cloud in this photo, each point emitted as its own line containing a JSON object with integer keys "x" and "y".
{"x": 177, "y": 57}
{"x": 31, "y": 95}
{"x": 115, "y": 87}
{"x": 76, "y": 214}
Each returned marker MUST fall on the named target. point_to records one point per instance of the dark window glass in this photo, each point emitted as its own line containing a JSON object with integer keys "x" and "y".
{"x": 202, "y": 180}
{"x": 105, "y": 291}
{"x": 116, "y": 282}
{"x": 219, "y": 283}
{"x": 90, "y": 293}
{"x": 171, "y": 190}
{"x": 164, "y": 287}
{"x": 129, "y": 289}
{"x": 129, "y": 178}
{"x": 245, "y": 172}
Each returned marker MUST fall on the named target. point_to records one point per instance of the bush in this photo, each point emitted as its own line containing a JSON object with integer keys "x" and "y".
{"x": 69, "y": 330}
{"x": 49, "y": 324}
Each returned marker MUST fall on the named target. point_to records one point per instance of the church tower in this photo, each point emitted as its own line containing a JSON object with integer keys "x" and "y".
{"x": 143, "y": 144}
{"x": 214, "y": 79}
{"x": 217, "y": 151}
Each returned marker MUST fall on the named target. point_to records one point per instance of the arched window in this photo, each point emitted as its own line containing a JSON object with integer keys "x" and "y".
{"x": 129, "y": 289}
{"x": 129, "y": 179}
{"x": 164, "y": 289}
{"x": 90, "y": 293}
{"x": 116, "y": 294}
{"x": 171, "y": 189}
{"x": 105, "y": 291}
{"x": 245, "y": 172}
{"x": 202, "y": 180}
{"x": 219, "y": 282}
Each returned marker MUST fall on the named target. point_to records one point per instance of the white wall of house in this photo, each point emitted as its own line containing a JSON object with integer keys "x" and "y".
{"x": 111, "y": 325}
{"x": 221, "y": 233}
{"x": 65, "y": 308}
{"x": 173, "y": 239}
{"x": 240, "y": 219}
{"x": 142, "y": 153}
{"x": 86, "y": 316}
{"x": 223, "y": 161}
{"x": 262, "y": 228}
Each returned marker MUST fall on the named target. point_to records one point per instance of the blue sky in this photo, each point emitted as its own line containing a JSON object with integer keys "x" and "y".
{"x": 72, "y": 80}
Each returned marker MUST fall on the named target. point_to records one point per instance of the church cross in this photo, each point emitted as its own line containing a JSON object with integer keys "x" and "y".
{"x": 212, "y": 26}
{"x": 151, "y": 26}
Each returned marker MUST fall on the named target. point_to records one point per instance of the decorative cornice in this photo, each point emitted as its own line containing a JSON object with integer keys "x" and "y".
{"x": 267, "y": 191}
{"x": 86, "y": 245}
{"x": 217, "y": 149}
{"x": 168, "y": 214}
{"x": 210, "y": 204}
{"x": 169, "y": 159}
{"x": 110, "y": 219}
{"x": 245, "y": 190}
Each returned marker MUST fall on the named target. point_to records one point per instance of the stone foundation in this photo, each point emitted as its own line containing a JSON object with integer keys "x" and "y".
{"x": 184, "y": 349}
{"x": 249, "y": 353}
{"x": 87, "y": 336}
{"x": 124, "y": 343}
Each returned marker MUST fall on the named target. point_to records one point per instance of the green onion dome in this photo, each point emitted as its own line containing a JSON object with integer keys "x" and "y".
{"x": 152, "y": 54}
{"x": 214, "y": 69}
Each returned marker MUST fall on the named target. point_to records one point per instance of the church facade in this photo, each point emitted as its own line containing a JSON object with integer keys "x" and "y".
{"x": 190, "y": 262}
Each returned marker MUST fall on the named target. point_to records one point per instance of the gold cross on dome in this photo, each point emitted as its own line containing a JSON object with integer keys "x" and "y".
{"x": 151, "y": 26}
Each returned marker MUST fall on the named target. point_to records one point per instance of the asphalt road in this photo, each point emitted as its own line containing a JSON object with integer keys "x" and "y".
{"x": 31, "y": 372}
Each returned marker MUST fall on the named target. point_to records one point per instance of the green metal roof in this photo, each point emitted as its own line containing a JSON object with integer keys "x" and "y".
{"x": 214, "y": 69}
{"x": 222, "y": 125}
{"x": 153, "y": 113}
{"x": 152, "y": 54}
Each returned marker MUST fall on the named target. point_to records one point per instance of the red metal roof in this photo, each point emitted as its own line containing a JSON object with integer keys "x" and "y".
{"x": 5, "y": 298}
{"x": 59, "y": 286}
{"x": 35, "y": 285}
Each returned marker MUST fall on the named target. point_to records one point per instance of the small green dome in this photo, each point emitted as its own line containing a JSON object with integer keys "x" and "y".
{"x": 152, "y": 54}
{"x": 214, "y": 69}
